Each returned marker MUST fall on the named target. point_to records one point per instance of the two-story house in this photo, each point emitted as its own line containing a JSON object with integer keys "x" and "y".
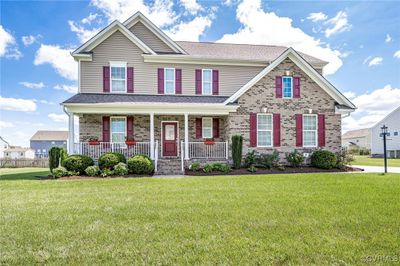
{"x": 170, "y": 96}
{"x": 43, "y": 140}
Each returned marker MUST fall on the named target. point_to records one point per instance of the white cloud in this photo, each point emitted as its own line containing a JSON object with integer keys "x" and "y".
{"x": 190, "y": 31}
{"x": 191, "y": 6}
{"x": 4, "y": 124}
{"x": 30, "y": 39}
{"x": 58, "y": 117}
{"x": 388, "y": 38}
{"x": 338, "y": 24}
{"x": 254, "y": 30}
{"x": 13, "y": 104}
{"x": 32, "y": 85}
{"x": 8, "y": 46}
{"x": 67, "y": 88}
{"x": 397, "y": 54}
{"x": 82, "y": 33}
{"x": 315, "y": 17}
{"x": 375, "y": 61}
{"x": 59, "y": 58}
{"x": 90, "y": 18}
{"x": 367, "y": 59}
{"x": 349, "y": 94}
{"x": 43, "y": 101}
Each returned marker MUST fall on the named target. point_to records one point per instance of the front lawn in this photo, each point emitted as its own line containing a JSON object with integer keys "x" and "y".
{"x": 273, "y": 219}
{"x": 28, "y": 173}
{"x": 368, "y": 161}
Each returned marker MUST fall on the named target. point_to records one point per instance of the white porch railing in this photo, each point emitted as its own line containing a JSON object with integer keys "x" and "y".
{"x": 200, "y": 150}
{"x": 95, "y": 151}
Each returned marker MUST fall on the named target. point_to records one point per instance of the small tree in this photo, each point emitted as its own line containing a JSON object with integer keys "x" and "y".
{"x": 63, "y": 156}
{"x": 54, "y": 158}
{"x": 237, "y": 147}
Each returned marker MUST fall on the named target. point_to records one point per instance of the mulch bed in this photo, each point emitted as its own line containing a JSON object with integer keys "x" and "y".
{"x": 288, "y": 170}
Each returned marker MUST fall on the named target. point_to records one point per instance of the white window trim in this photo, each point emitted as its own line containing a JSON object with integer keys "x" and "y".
{"x": 272, "y": 131}
{"x": 165, "y": 80}
{"x": 283, "y": 88}
{"x": 119, "y": 64}
{"x": 202, "y": 127}
{"x": 316, "y": 131}
{"x": 202, "y": 81}
{"x": 111, "y": 132}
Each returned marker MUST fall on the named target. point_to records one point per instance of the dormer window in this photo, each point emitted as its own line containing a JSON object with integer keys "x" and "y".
{"x": 118, "y": 77}
{"x": 287, "y": 84}
{"x": 169, "y": 80}
{"x": 206, "y": 82}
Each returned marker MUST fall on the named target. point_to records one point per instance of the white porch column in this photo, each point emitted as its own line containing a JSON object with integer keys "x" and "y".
{"x": 152, "y": 136}
{"x": 186, "y": 136}
{"x": 71, "y": 133}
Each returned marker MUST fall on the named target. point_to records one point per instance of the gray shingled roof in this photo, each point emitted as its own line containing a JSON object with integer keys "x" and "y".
{"x": 356, "y": 133}
{"x": 239, "y": 51}
{"x": 50, "y": 135}
{"x": 134, "y": 98}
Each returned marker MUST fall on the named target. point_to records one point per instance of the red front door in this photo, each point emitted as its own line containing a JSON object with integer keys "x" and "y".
{"x": 170, "y": 139}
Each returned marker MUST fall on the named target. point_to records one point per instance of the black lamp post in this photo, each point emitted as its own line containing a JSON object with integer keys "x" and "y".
{"x": 384, "y": 132}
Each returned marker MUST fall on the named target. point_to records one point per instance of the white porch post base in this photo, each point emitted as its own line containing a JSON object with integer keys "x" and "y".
{"x": 186, "y": 136}
{"x": 71, "y": 133}
{"x": 152, "y": 136}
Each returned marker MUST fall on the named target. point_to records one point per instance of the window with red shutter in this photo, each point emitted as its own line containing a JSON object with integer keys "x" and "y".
{"x": 253, "y": 129}
{"x": 106, "y": 128}
{"x": 216, "y": 127}
{"x": 130, "y": 79}
{"x": 198, "y": 75}
{"x": 160, "y": 79}
{"x": 321, "y": 130}
{"x": 299, "y": 130}
{"x": 278, "y": 86}
{"x": 106, "y": 79}
{"x": 277, "y": 129}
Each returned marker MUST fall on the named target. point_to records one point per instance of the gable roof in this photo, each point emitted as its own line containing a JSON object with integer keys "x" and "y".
{"x": 50, "y": 135}
{"x": 386, "y": 117}
{"x": 6, "y": 142}
{"x": 107, "y": 32}
{"x": 358, "y": 133}
{"x": 138, "y": 16}
{"x": 303, "y": 65}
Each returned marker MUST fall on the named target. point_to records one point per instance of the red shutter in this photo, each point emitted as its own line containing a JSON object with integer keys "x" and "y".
{"x": 199, "y": 128}
{"x": 299, "y": 130}
{"x": 277, "y": 129}
{"x": 198, "y": 81}
{"x": 216, "y": 127}
{"x": 215, "y": 76}
{"x": 106, "y": 129}
{"x": 321, "y": 130}
{"x": 253, "y": 129}
{"x": 178, "y": 81}
{"x": 296, "y": 87}
{"x": 161, "y": 81}
{"x": 278, "y": 86}
{"x": 106, "y": 79}
{"x": 129, "y": 73}
{"x": 129, "y": 127}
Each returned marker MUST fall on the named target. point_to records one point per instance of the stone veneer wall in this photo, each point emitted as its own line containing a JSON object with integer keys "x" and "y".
{"x": 262, "y": 95}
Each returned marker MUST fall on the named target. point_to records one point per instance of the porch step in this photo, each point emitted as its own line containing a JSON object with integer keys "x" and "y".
{"x": 169, "y": 167}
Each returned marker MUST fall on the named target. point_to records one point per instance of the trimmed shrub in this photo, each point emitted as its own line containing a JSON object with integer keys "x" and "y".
{"x": 92, "y": 170}
{"x": 250, "y": 159}
{"x": 252, "y": 169}
{"x": 120, "y": 156}
{"x": 141, "y": 165}
{"x": 237, "y": 147}
{"x": 106, "y": 172}
{"x": 121, "y": 169}
{"x": 54, "y": 158}
{"x": 267, "y": 160}
{"x": 78, "y": 163}
{"x": 195, "y": 167}
{"x": 323, "y": 159}
{"x": 221, "y": 167}
{"x": 60, "y": 172}
{"x": 295, "y": 158}
{"x": 63, "y": 156}
{"x": 108, "y": 161}
{"x": 344, "y": 158}
{"x": 208, "y": 168}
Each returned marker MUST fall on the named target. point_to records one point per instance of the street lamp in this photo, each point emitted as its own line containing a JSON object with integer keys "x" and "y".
{"x": 384, "y": 133}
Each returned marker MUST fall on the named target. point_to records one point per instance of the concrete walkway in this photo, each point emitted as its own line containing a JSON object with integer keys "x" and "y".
{"x": 377, "y": 169}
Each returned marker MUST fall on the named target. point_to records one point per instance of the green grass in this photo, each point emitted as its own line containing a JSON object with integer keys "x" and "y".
{"x": 365, "y": 160}
{"x": 28, "y": 173}
{"x": 272, "y": 219}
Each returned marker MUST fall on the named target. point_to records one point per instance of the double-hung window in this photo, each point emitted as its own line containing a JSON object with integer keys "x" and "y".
{"x": 309, "y": 130}
{"x": 206, "y": 81}
{"x": 118, "y": 77}
{"x": 287, "y": 86}
{"x": 169, "y": 80}
{"x": 207, "y": 127}
{"x": 264, "y": 130}
{"x": 118, "y": 129}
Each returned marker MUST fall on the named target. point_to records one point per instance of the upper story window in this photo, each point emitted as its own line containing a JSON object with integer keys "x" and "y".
{"x": 207, "y": 127}
{"x": 169, "y": 74}
{"x": 264, "y": 130}
{"x": 309, "y": 131}
{"x": 287, "y": 87}
{"x": 118, "y": 76}
{"x": 118, "y": 129}
{"x": 206, "y": 82}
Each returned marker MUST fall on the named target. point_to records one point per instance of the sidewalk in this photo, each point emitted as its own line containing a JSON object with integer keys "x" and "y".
{"x": 377, "y": 169}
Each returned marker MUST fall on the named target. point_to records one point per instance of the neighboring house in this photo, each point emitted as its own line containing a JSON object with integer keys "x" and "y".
{"x": 170, "y": 96}
{"x": 3, "y": 146}
{"x": 42, "y": 141}
{"x": 360, "y": 138}
{"x": 19, "y": 153}
{"x": 392, "y": 121}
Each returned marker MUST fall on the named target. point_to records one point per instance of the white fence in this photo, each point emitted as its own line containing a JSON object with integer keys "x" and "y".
{"x": 201, "y": 150}
{"x": 96, "y": 150}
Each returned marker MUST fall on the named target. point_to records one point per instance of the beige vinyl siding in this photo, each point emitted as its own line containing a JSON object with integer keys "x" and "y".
{"x": 149, "y": 38}
{"x": 118, "y": 48}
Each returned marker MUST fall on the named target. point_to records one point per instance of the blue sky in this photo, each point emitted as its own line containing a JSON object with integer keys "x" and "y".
{"x": 359, "y": 39}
